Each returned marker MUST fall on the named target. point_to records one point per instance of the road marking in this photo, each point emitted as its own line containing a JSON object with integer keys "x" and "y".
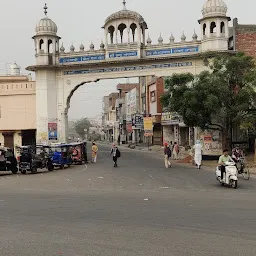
{"x": 86, "y": 166}
{"x": 165, "y": 187}
{"x": 100, "y": 177}
{"x": 145, "y": 199}
{"x": 150, "y": 176}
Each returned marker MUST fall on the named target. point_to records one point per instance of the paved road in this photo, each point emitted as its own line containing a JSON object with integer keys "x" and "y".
{"x": 137, "y": 209}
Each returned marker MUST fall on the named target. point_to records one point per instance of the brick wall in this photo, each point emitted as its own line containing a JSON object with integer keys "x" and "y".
{"x": 245, "y": 39}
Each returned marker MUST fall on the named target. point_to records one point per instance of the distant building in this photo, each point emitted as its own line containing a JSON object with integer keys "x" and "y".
{"x": 17, "y": 109}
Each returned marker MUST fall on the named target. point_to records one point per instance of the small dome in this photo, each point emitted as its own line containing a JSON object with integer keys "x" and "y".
{"x": 214, "y": 8}
{"x": 102, "y": 45}
{"x": 62, "y": 48}
{"x": 195, "y": 36}
{"x": 72, "y": 48}
{"x": 183, "y": 37}
{"x": 46, "y": 27}
{"x": 160, "y": 39}
{"x": 81, "y": 47}
{"x": 91, "y": 46}
{"x": 149, "y": 41}
{"x": 172, "y": 38}
{"x": 124, "y": 15}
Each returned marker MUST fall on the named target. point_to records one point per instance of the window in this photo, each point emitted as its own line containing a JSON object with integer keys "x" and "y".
{"x": 213, "y": 27}
{"x": 204, "y": 29}
{"x": 153, "y": 96}
{"x": 222, "y": 27}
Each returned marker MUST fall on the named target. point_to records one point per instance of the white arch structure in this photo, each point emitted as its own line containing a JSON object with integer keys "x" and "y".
{"x": 60, "y": 73}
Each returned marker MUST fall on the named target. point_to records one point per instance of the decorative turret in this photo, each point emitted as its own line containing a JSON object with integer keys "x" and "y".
{"x": 183, "y": 37}
{"x": 149, "y": 41}
{"x": 172, "y": 39}
{"x": 195, "y": 36}
{"x": 214, "y": 26}
{"x": 62, "y": 48}
{"x": 72, "y": 48}
{"x": 91, "y": 47}
{"x": 160, "y": 39}
{"x": 46, "y": 41}
{"x": 81, "y": 48}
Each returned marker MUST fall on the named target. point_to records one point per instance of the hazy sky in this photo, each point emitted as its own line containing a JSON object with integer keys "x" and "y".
{"x": 81, "y": 21}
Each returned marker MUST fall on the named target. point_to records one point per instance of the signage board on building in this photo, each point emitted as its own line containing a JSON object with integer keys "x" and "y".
{"x": 129, "y": 127}
{"x": 52, "y": 131}
{"x": 148, "y": 126}
{"x": 137, "y": 121}
{"x": 169, "y": 118}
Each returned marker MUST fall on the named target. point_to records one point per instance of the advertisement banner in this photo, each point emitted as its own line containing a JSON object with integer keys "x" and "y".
{"x": 212, "y": 142}
{"x": 52, "y": 131}
{"x": 148, "y": 126}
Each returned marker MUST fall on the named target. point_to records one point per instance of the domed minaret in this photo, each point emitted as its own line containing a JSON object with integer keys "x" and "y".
{"x": 214, "y": 26}
{"x": 123, "y": 28}
{"x": 46, "y": 41}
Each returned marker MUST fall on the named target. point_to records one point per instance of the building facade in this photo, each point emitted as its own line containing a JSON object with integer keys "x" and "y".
{"x": 17, "y": 111}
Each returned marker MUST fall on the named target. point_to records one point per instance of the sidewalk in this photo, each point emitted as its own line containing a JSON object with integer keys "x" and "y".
{"x": 185, "y": 157}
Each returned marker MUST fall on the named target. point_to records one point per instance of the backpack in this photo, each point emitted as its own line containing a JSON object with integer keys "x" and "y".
{"x": 118, "y": 153}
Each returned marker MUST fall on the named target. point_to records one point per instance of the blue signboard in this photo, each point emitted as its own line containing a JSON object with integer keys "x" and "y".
{"x": 123, "y": 54}
{"x": 189, "y": 49}
{"x": 130, "y": 68}
{"x": 81, "y": 58}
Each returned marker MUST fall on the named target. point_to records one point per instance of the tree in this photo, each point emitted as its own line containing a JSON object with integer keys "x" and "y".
{"x": 217, "y": 98}
{"x": 81, "y": 126}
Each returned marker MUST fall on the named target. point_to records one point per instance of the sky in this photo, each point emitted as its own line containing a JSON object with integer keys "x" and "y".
{"x": 80, "y": 21}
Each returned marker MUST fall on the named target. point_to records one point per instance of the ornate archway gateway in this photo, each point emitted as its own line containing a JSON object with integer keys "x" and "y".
{"x": 60, "y": 73}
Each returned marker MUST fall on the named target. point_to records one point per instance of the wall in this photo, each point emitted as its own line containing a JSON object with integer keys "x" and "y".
{"x": 17, "y": 106}
{"x": 245, "y": 38}
{"x": 168, "y": 133}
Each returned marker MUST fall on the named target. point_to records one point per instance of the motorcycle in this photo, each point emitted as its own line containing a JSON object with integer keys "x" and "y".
{"x": 230, "y": 177}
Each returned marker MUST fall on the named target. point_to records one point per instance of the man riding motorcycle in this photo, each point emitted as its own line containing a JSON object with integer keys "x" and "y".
{"x": 237, "y": 154}
{"x": 222, "y": 160}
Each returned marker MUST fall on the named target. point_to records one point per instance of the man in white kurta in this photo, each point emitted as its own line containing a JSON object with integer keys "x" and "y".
{"x": 198, "y": 154}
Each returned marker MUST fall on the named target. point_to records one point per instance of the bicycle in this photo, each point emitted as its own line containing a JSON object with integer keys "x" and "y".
{"x": 244, "y": 169}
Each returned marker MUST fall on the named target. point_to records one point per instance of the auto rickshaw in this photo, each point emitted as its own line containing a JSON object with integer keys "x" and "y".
{"x": 33, "y": 158}
{"x": 61, "y": 155}
{"x": 8, "y": 161}
{"x": 79, "y": 152}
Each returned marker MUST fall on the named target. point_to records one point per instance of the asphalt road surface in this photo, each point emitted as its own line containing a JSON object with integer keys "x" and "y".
{"x": 139, "y": 208}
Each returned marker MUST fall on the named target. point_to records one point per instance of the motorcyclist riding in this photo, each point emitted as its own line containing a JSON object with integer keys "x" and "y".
{"x": 222, "y": 160}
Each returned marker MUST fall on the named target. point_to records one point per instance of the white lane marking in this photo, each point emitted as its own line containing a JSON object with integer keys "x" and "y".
{"x": 140, "y": 184}
{"x": 165, "y": 187}
{"x": 100, "y": 177}
{"x": 89, "y": 179}
{"x": 150, "y": 176}
{"x": 145, "y": 199}
{"x": 86, "y": 166}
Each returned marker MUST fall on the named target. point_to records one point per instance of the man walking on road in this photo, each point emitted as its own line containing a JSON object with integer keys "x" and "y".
{"x": 167, "y": 155}
{"x": 176, "y": 151}
{"x": 116, "y": 154}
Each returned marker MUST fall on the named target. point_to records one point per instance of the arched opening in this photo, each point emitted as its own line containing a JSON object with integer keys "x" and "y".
{"x": 222, "y": 27}
{"x": 213, "y": 28}
{"x": 41, "y": 45}
{"x": 50, "y": 46}
{"x": 122, "y": 29}
{"x": 204, "y": 29}
{"x": 111, "y": 31}
{"x": 133, "y": 32}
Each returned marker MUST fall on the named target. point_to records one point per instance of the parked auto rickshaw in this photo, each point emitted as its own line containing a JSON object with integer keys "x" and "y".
{"x": 79, "y": 152}
{"x": 8, "y": 161}
{"x": 61, "y": 155}
{"x": 33, "y": 158}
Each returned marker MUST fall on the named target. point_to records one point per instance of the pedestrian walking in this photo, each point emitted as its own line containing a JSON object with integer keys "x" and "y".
{"x": 167, "y": 155}
{"x": 176, "y": 151}
{"x": 94, "y": 152}
{"x": 198, "y": 154}
{"x": 116, "y": 154}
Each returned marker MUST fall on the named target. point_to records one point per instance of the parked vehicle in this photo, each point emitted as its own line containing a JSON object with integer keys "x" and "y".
{"x": 230, "y": 176}
{"x": 33, "y": 158}
{"x": 79, "y": 152}
{"x": 8, "y": 161}
{"x": 61, "y": 155}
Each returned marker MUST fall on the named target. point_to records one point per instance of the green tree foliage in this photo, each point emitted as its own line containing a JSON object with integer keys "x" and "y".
{"x": 81, "y": 126}
{"x": 217, "y": 98}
